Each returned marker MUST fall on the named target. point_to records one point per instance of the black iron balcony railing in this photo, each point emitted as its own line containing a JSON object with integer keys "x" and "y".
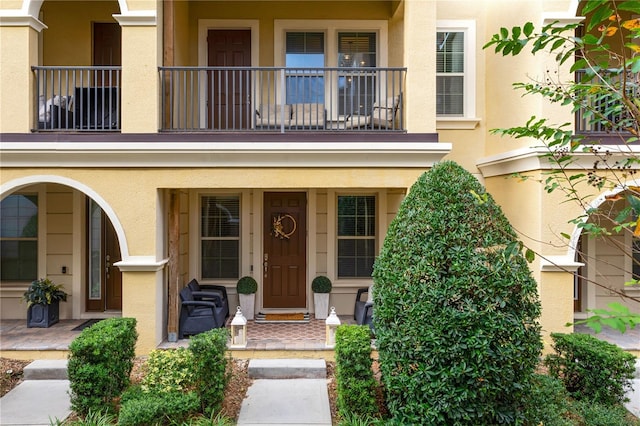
{"x": 604, "y": 116}
{"x": 276, "y": 99}
{"x": 77, "y": 98}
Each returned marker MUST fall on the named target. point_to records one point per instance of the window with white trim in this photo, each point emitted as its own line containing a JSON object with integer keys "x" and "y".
{"x": 19, "y": 238}
{"x": 455, "y": 69}
{"x": 356, "y": 235}
{"x": 220, "y": 236}
{"x": 305, "y": 54}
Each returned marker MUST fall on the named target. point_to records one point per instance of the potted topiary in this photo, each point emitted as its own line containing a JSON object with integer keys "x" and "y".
{"x": 43, "y": 301}
{"x": 247, "y": 287}
{"x": 321, "y": 287}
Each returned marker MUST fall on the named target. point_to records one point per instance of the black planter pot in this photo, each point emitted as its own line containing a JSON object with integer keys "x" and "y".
{"x": 40, "y": 315}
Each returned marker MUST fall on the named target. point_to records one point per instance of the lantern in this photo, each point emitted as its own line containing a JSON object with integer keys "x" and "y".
{"x": 239, "y": 330}
{"x": 332, "y": 322}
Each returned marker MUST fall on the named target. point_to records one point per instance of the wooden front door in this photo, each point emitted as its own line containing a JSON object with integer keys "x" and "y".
{"x": 229, "y": 91}
{"x": 104, "y": 290}
{"x": 285, "y": 250}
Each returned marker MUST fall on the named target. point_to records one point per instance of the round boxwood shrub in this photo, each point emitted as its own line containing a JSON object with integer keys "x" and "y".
{"x": 247, "y": 285}
{"x": 321, "y": 284}
{"x": 456, "y": 307}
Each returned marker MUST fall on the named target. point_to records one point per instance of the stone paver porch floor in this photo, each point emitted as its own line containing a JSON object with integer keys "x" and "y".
{"x": 15, "y": 336}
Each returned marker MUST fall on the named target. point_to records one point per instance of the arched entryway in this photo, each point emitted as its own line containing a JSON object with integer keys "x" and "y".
{"x": 64, "y": 230}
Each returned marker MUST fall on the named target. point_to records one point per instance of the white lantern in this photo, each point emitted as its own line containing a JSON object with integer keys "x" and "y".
{"x": 332, "y": 322}
{"x": 239, "y": 330}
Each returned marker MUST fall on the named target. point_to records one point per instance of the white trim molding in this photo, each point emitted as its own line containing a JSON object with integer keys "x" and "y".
{"x": 10, "y": 19}
{"x": 534, "y": 158}
{"x": 456, "y": 123}
{"x": 564, "y": 263}
{"x": 224, "y": 154}
{"x": 141, "y": 264}
{"x": 136, "y": 18}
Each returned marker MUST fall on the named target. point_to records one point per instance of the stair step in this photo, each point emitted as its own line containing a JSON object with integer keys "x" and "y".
{"x": 288, "y": 369}
{"x": 261, "y": 318}
{"x": 46, "y": 369}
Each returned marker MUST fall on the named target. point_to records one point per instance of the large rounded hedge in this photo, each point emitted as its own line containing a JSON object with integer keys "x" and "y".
{"x": 456, "y": 307}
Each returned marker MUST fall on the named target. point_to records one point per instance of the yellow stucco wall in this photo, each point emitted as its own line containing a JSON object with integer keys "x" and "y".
{"x": 68, "y": 38}
{"x": 18, "y": 51}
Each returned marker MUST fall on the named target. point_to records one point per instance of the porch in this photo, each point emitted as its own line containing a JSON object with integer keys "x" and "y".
{"x": 305, "y": 340}
{"x": 298, "y": 340}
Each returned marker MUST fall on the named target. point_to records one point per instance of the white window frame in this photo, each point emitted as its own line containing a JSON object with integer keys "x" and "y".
{"x": 331, "y": 28}
{"x": 195, "y": 261}
{"x": 375, "y": 237}
{"x": 468, "y": 118}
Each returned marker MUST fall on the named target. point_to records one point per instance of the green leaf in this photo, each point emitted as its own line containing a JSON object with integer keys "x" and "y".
{"x": 515, "y": 33}
{"x": 528, "y": 29}
{"x": 631, "y": 6}
{"x": 529, "y": 255}
{"x": 504, "y": 33}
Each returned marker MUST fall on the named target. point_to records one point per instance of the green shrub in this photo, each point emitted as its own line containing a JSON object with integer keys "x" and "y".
{"x": 592, "y": 413}
{"x": 548, "y": 403}
{"x": 591, "y": 369}
{"x": 169, "y": 370}
{"x": 246, "y": 285}
{"x": 210, "y": 365}
{"x": 456, "y": 307}
{"x": 140, "y": 408}
{"x": 100, "y": 361}
{"x": 354, "y": 377}
{"x": 321, "y": 284}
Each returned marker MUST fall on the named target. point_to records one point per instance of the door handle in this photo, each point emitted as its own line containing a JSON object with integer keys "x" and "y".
{"x": 265, "y": 264}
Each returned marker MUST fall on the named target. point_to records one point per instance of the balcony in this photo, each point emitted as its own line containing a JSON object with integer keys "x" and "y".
{"x": 78, "y": 99}
{"x": 604, "y": 119}
{"x": 281, "y": 100}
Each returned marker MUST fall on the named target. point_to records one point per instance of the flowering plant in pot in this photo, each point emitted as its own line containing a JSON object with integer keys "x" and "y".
{"x": 247, "y": 287}
{"x": 321, "y": 287}
{"x": 43, "y": 302}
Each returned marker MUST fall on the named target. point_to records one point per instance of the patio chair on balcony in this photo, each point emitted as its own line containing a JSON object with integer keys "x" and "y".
{"x": 210, "y": 292}
{"x": 273, "y": 116}
{"x": 55, "y": 112}
{"x": 308, "y": 116}
{"x": 363, "y": 309}
{"x": 384, "y": 115}
{"x": 198, "y": 316}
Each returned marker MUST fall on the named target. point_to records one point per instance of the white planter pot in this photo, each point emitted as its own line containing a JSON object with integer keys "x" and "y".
{"x": 321, "y": 305}
{"x": 247, "y": 304}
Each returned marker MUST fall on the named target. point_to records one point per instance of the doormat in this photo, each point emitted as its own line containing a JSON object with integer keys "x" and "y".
{"x": 86, "y": 324}
{"x": 288, "y": 317}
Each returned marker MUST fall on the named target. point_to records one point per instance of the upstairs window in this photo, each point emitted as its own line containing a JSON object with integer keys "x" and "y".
{"x": 220, "y": 237}
{"x": 356, "y": 50}
{"x": 305, "y": 56}
{"x": 450, "y": 73}
{"x": 455, "y": 69}
{"x": 19, "y": 238}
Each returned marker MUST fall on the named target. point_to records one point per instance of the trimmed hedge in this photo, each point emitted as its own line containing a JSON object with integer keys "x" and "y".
{"x": 100, "y": 361}
{"x": 354, "y": 377}
{"x": 456, "y": 307}
{"x": 210, "y": 366}
{"x": 141, "y": 408}
{"x": 591, "y": 369}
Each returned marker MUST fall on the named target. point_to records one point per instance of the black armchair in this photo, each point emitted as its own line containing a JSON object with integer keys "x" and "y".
{"x": 197, "y": 316}
{"x": 209, "y": 292}
{"x": 363, "y": 310}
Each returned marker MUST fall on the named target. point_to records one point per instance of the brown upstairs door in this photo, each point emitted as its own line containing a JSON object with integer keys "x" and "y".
{"x": 285, "y": 255}
{"x": 229, "y": 90}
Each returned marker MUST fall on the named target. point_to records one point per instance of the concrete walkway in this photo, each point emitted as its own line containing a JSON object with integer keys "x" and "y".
{"x": 41, "y": 398}
{"x": 286, "y": 392}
